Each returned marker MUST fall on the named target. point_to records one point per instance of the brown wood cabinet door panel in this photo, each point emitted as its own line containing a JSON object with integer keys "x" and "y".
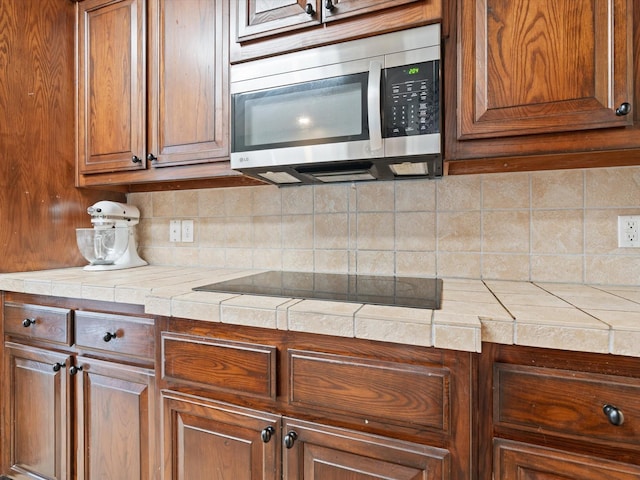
{"x": 389, "y": 391}
{"x": 244, "y": 368}
{"x": 260, "y": 18}
{"x": 539, "y": 67}
{"x": 520, "y": 461}
{"x": 131, "y": 336}
{"x": 111, "y": 85}
{"x": 36, "y": 322}
{"x": 348, "y": 8}
{"x": 326, "y": 453}
{"x": 566, "y": 403}
{"x": 204, "y": 440}
{"x": 188, "y": 87}
{"x": 115, "y": 421}
{"x": 36, "y": 427}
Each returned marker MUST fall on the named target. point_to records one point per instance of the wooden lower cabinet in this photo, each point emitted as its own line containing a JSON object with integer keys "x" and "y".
{"x": 204, "y": 439}
{"x": 115, "y": 421}
{"x": 318, "y": 452}
{"x": 36, "y": 413}
{"x": 514, "y": 460}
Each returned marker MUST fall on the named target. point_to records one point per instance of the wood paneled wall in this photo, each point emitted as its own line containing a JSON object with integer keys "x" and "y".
{"x": 39, "y": 204}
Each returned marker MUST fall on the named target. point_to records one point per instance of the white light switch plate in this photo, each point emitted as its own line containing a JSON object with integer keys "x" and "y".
{"x": 187, "y": 230}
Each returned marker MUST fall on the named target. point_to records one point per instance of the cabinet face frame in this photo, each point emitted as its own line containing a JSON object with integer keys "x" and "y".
{"x": 485, "y": 64}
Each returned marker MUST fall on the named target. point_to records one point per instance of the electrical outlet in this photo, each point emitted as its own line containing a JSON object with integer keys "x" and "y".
{"x": 629, "y": 231}
{"x": 175, "y": 230}
{"x": 187, "y": 230}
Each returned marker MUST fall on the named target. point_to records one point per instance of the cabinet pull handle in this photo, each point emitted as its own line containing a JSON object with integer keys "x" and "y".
{"x": 136, "y": 159}
{"x": 309, "y": 9}
{"x": 614, "y": 415}
{"x": 329, "y": 6}
{"x": 151, "y": 157}
{"x": 74, "y": 370}
{"x": 623, "y": 109}
{"x": 109, "y": 336}
{"x": 289, "y": 439}
{"x": 57, "y": 366}
{"x": 267, "y": 433}
{"x": 27, "y": 322}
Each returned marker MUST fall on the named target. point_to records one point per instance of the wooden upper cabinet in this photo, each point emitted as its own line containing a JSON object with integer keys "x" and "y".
{"x": 260, "y": 18}
{"x": 111, "y": 85}
{"x": 188, "y": 81}
{"x": 539, "y": 67}
{"x": 262, "y": 28}
{"x": 152, "y": 88}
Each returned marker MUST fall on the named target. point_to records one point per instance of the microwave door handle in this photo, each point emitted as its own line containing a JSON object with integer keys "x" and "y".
{"x": 373, "y": 106}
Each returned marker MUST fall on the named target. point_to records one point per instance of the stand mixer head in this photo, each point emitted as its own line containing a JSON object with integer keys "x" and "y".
{"x": 111, "y": 243}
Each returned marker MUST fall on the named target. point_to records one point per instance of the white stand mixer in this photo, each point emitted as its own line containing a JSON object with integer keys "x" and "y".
{"x": 111, "y": 243}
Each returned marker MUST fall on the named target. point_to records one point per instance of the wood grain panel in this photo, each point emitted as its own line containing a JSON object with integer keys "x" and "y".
{"x": 45, "y": 323}
{"x": 370, "y": 389}
{"x": 245, "y": 368}
{"x": 39, "y": 206}
{"x": 568, "y": 403}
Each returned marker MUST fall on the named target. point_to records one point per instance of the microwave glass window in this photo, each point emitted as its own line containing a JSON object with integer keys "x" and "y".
{"x": 323, "y": 111}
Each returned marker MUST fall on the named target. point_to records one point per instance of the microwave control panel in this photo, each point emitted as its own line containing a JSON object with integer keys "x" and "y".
{"x": 412, "y": 100}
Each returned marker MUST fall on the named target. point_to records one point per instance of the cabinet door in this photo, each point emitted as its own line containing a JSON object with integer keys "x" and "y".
{"x": 205, "y": 440}
{"x": 115, "y": 421}
{"x": 261, "y": 18}
{"x": 36, "y": 424}
{"x": 539, "y": 67}
{"x": 189, "y": 84}
{"x": 111, "y": 85}
{"x": 317, "y": 452}
{"x": 339, "y": 9}
{"x": 519, "y": 460}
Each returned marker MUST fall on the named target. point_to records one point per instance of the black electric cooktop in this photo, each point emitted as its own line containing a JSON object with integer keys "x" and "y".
{"x": 373, "y": 289}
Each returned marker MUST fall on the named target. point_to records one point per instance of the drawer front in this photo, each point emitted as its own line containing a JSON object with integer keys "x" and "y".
{"x": 131, "y": 336}
{"x": 567, "y": 402}
{"x": 224, "y": 365}
{"x": 524, "y": 461}
{"x": 371, "y": 389}
{"x": 38, "y": 322}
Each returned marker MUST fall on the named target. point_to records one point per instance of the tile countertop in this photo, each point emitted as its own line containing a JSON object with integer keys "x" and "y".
{"x": 600, "y": 319}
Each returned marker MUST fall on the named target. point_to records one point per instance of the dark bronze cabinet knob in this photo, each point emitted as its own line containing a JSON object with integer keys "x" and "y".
{"x": 57, "y": 366}
{"x": 614, "y": 415}
{"x": 623, "y": 109}
{"x": 329, "y": 6}
{"x": 136, "y": 159}
{"x": 109, "y": 336}
{"x": 74, "y": 370}
{"x": 151, "y": 157}
{"x": 309, "y": 9}
{"x": 290, "y": 439}
{"x": 267, "y": 433}
{"x": 27, "y": 322}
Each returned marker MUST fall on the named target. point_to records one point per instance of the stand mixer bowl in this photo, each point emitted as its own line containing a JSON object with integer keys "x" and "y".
{"x": 102, "y": 246}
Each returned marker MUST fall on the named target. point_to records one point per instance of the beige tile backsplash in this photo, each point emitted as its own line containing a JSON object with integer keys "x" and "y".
{"x": 552, "y": 226}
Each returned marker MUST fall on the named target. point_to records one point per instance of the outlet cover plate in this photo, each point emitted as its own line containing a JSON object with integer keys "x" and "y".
{"x": 629, "y": 231}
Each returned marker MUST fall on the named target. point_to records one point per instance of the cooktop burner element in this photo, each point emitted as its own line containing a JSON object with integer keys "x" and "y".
{"x": 378, "y": 290}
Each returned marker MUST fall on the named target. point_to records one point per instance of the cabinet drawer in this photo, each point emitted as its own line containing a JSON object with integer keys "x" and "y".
{"x": 524, "y": 461}
{"x": 568, "y": 403}
{"x": 229, "y": 366}
{"x": 132, "y": 336}
{"x": 38, "y": 322}
{"x": 371, "y": 389}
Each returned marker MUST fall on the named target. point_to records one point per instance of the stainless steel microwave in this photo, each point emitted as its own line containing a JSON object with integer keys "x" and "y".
{"x": 367, "y": 109}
